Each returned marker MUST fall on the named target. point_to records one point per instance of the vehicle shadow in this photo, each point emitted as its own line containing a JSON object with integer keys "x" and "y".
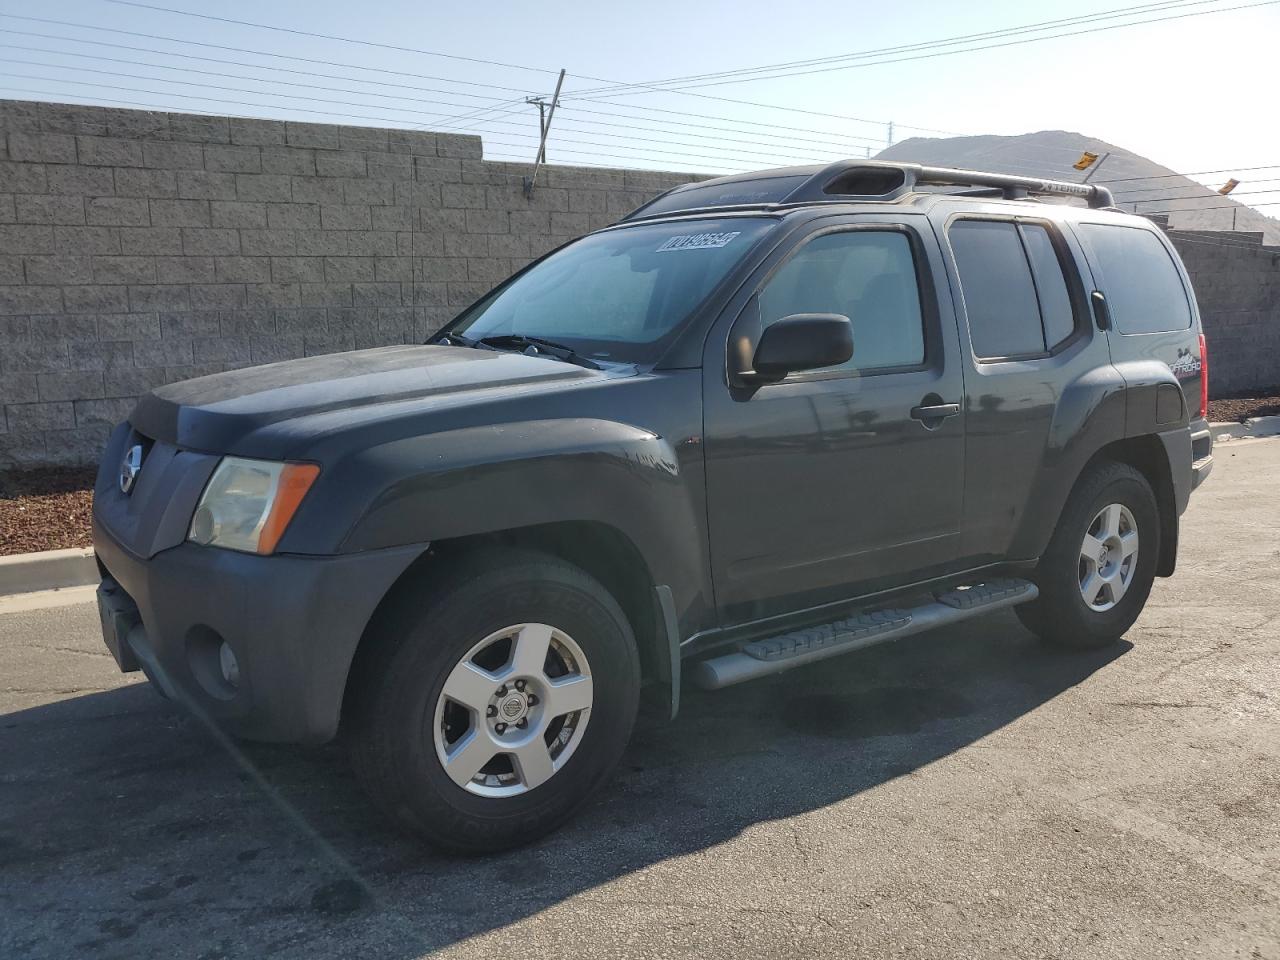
{"x": 128, "y": 829}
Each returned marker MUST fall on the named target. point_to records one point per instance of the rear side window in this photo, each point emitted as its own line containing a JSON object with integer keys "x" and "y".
{"x": 1142, "y": 285}
{"x": 868, "y": 276}
{"x": 1014, "y": 289}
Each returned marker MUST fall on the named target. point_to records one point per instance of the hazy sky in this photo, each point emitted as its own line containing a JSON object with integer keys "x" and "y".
{"x": 1194, "y": 94}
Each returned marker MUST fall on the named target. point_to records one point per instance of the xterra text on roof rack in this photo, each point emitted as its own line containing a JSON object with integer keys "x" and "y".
{"x": 765, "y": 420}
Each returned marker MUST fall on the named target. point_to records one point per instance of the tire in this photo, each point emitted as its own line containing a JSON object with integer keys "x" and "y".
{"x": 1061, "y": 615}
{"x": 405, "y": 727}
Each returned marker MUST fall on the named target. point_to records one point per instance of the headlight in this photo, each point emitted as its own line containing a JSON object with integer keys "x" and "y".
{"x": 248, "y": 503}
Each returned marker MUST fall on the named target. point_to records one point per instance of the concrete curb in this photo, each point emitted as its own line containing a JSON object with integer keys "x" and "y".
{"x": 47, "y": 570}
{"x": 1253, "y": 427}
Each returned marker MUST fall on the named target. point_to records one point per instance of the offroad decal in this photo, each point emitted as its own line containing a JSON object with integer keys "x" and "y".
{"x": 699, "y": 241}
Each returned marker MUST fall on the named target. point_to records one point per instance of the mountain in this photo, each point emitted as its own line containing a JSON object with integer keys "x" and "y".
{"x": 1138, "y": 183}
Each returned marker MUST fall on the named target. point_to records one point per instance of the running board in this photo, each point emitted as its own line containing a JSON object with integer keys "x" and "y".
{"x": 775, "y": 654}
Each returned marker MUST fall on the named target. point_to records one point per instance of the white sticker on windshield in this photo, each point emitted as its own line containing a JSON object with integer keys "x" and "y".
{"x": 699, "y": 241}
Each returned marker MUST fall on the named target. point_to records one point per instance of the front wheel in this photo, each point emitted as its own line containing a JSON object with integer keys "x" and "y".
{"x": 498, "y": 703}
{"x": 1095, "y": 576}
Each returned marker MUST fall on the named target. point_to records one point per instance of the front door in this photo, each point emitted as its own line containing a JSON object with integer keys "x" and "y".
{"x": 844, "y": 480}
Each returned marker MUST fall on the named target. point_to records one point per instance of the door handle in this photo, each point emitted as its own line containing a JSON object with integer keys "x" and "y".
{"x": 935, "y": 411}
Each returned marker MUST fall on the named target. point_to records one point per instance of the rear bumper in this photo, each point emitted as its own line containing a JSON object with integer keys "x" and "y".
{"x": 1201, "y": 453}
{"x": 292, "y": 622}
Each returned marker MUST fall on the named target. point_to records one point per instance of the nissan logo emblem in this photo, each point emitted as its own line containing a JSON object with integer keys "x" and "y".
{"x": 129, "y": 467}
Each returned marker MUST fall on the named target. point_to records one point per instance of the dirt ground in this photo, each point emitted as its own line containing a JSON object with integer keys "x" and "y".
{"x": 47, "y": 509}
{"x": 1225, "y": 411}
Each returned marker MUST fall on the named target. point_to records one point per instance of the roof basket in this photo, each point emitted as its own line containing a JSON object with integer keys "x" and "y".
{"x": 888, "y": 181}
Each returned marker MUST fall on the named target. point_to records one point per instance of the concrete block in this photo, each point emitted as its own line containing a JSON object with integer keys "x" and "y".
{"x": 371, "y": 243}
{"x": 463, "y": 195}
{"x": 234, "y": 158}
{"x": 488, "y": 221}
{"x": 269, "y": 187}
{"x": 204, "y": 185}
{"x": 437, "y": 170}
{"x": 70, "y": 385}
{"x": 263, "y": 243}
{"x": 316, "y": 190}
{"x": 293, "y": 216}
{"x": 290, "y": 161}
{"x": 180, "y": 213}
{"x": 11, "y": 270}
{"x": 128, "y": 326}
{"x": 173, "y": 156}
{"x": 95, "y": 298}
{"x": 348, "y": 269}
{"x": 86, "y": 240}
{"x": 340, "y": 163}
{"x": 259, "y": 296}
{"x": 325, "y": 295}
{"x": 19, "y": 388}
{"x": 190, "y": 324}
{"x": 242, "y": 269}
{"x": 34, "y": 356}
{"x": 221, "y": 349}
{"x": 389, "y": 166}
{"x": 142, "y": 241}
{"x": 141, "y": 182}
{"x": 200, "y": 129}
{"x": 466, "y": 245}
{"x": 31, "y": 147}
{"x": 105, "y": 412}
{"x": 322, "y": 243}
{"x": 390, "y": 218}
{"x": 40, "y": 416}
{"x": 217, "y": 296}
{"x": 47, "y": 208}
{"x": 162, "y": 353}
{"x": 75, "y": 180}
{"x": 30, "y": 300}
{"x": 117, "y": 212}
{"x": 58, "y": 269}
{"x": 131, "y": 382}
{"x": 237, "y": 213}
{"x": 210, "y": 242}
{"x": 115, "y": 270}
{"x": 184, "y": 270}
{"x": 321, "y": 135}
{"x": 23, "y": 178}
{"x": 109, "y": 152}
{"x": 157, "y": 298}
{"x": 376, "y": 295}
{"x": 245, "y": 130}
{"x": 343, "y": 217}
{"x": 248, "y": 323}
{"x": 297, "y": 269}
{"x": 369, "y": 192}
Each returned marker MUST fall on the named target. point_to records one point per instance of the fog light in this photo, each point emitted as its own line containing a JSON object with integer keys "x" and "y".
{"x": 230, "y": 666}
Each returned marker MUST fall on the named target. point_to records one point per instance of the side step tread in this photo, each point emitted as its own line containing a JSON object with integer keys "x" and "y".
{"x": 980, "y": 594}
{"x": 774, "y": 654}
{"x": 857, "y": 627}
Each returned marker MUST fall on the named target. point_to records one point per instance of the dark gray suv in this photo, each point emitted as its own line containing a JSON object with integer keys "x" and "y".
{"x": 765, "y": 420}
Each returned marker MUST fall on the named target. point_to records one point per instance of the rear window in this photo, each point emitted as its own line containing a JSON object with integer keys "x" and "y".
{"x": 1143, "y": 288}
{"x": 1014, "y": 289}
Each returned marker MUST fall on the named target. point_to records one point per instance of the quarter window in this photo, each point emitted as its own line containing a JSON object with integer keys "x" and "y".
{"x": 1014, "y": 289}
{"x": 1143, "y": 288}
{"x": 868, "y": 276}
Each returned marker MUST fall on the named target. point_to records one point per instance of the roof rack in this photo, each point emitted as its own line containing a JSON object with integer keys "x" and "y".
{"x": 855, "y": 180}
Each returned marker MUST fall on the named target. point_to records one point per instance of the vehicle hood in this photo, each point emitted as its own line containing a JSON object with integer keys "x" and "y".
{"x": 219, "y": 413}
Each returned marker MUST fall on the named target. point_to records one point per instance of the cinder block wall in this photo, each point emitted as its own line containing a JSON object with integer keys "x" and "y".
{"x": 139, "y": 248}
{"x": 1237, "y": 283}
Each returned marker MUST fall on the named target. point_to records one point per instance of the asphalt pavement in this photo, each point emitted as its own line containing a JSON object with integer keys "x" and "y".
{"x": 962, "y": 794}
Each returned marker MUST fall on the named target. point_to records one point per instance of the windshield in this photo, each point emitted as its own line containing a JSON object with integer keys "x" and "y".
{"x": 617, "y": 295}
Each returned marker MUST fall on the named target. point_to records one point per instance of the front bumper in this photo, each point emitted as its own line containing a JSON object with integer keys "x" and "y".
{"x": 293, "y": 623}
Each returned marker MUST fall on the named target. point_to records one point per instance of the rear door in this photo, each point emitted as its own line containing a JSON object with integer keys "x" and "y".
{"x": 834, "y": 482}
{"x": 1018, "y": 288}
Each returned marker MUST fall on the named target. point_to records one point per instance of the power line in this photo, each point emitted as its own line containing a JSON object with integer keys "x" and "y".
{"x": 413, "y": 111}
{"x": 192, "y": 56}
{"x": 948, "y": 53}
{"x": 370, "y": 43}
{"x": 327, "y": 36}
{"x": 1196, "y": 173}
{"x": 904, "y": 48}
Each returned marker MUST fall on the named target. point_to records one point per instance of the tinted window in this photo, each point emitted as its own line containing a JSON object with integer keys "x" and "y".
{"x": 1051, "y": 286}
{"x": 617, "y": 294}
{"x": 999, "y": 295}
{"x": 869, "y": 277}
{"x": 1142, "y": 285}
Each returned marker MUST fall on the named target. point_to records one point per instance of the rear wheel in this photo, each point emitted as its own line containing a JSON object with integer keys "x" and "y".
{"x": 1095, "y": 576}
{"x": 497, "y": 704}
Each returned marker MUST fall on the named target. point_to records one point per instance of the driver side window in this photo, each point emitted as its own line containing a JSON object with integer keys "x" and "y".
{"x": 868, "y": 276}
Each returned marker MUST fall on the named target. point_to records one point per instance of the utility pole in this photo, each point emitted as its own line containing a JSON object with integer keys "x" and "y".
{"x": 891, "y": 133}
{"x": 545, "y": 114}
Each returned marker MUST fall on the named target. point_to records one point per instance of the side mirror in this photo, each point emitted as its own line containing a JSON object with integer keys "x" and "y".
{"x": 802, "y": 341}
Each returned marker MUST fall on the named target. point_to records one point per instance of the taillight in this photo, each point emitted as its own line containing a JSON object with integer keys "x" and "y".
{"x": 1204, "y": 378}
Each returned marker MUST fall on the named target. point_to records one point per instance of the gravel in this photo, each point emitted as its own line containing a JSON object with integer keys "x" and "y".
{"x": 1224, "y": 411}
{"x": 45, "y": 509}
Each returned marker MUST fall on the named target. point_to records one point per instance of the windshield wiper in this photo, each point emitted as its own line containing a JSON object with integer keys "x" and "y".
{"x": 540, "y": 345}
